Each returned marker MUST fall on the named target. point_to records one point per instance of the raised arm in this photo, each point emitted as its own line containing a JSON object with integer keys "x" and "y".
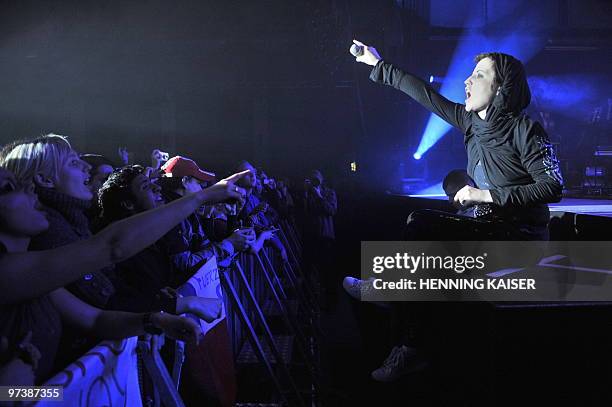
{"x": 31, "y": 274}
{"x": 387, "y": 74}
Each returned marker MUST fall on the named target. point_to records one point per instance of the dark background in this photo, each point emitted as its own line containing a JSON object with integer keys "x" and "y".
{"x": 272, "y": 82}
{"x": 268, "y": 81}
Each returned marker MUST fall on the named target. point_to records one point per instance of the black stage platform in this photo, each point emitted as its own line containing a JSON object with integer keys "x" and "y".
{"x": 579, "y": 218}
{"x": 583, "y": 206}
{"x": 489, "y": 354}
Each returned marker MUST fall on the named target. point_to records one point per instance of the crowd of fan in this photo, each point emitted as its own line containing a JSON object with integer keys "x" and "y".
{"x": 90, "y": 250}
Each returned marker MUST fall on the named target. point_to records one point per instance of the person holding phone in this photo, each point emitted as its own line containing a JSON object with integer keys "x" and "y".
{"x": 320, "y": 207}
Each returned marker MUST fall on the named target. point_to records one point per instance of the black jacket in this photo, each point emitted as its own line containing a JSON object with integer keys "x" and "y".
{"x": 517, "y": 156}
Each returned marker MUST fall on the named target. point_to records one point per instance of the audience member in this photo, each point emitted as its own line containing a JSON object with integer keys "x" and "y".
{"x": 254, "y": 209}
{"x": 120, "y": 281}
{"x": 320, "y": 207}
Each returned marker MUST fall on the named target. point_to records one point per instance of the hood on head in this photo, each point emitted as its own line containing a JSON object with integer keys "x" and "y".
{"x": 514, "y": 94}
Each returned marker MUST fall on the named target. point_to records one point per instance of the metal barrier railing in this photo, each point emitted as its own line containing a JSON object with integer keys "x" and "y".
{"x": 249, "y": 285}
{"x": 256, "y": 280}
{"x": 165, "y": 389}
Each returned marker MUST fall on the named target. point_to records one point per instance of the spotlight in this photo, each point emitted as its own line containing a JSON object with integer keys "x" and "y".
{"x": 523, "y": 42}
{"x": 416, "y": 156}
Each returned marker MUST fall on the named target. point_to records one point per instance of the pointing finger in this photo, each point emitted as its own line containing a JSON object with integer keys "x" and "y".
{"x": 237, "y": 176}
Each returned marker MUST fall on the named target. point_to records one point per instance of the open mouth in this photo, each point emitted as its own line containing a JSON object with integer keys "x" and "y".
{"x": 467, "y": 94}
{"x": 87, "y": 181}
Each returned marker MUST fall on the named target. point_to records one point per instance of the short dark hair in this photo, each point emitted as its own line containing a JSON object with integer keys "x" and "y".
{"x": 496, "y": 58}
{"x": 114, "y": 191}
{"x": 169, "y": 185}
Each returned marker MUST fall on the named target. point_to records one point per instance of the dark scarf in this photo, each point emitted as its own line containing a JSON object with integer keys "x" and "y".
{"x": 72, "y": 209}
{"x": 503, "y": 115}
{"x": 68, "y": 224}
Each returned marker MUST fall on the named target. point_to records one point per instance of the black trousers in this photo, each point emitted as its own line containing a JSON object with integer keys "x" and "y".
{"x": 320, "y": 253}
{"x": 431, "y": 225}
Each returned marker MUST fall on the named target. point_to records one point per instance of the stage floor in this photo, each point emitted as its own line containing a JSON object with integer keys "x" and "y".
{"x": 584, "y": 206}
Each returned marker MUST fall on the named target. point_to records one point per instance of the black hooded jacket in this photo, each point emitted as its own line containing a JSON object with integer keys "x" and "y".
{"x": 517, "y": 157}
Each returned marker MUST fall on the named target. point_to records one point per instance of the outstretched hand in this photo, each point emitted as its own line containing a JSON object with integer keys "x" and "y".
{"x": 241, "y": 239}
{"x": 207, "y": 309}
{"x": 176, "y": 327}
{"x": 226, "y": 189}
{"x": 370, "y": 55}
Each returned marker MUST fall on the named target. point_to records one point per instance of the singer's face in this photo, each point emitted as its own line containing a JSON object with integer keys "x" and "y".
{"x": 480, "y": 87}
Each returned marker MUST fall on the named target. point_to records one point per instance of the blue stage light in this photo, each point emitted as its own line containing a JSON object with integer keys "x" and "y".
{"x": 574, "y": 95}
{"x": 523, "y": 46}
{"x": 432, "y": 191}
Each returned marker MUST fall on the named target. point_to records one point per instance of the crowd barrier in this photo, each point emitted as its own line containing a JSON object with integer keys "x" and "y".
{"x": 252, "y": 287}
{"x": 107, "y": 375}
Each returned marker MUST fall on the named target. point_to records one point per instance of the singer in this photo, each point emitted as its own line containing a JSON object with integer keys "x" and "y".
{"x": 510, "y": 157}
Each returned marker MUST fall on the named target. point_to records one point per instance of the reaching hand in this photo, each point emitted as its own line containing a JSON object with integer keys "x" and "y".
{"x": 256, "y": 246}
{"x": 266, "y": 235}
{"x": 180, "y": 328}
{"x": 370, "y": 55}
{"x": 241, "y": 239}
{"x": 207, "y": 309}
{"x": 225, "y": 189}
{"x": 156, "y": 159}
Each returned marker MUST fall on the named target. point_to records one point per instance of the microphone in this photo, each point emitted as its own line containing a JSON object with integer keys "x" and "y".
{"x": 356, "y": 50}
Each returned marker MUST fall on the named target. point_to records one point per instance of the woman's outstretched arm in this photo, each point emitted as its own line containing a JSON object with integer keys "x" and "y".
{"x": 31, "y": 274}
